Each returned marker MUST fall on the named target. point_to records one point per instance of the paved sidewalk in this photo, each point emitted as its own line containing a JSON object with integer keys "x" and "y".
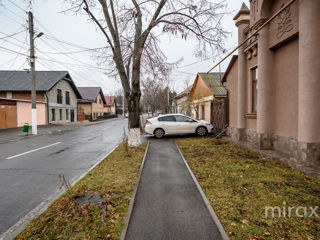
{"x": 168, "y": 205}
{"x": 14, "y": 134}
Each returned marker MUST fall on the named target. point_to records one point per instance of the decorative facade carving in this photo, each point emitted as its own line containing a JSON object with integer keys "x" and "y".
{"x": 254, "y": 9}
{"x": 249, "y": 55}
{"x": 254, "y": 51}
{"x": 284, "y": 22}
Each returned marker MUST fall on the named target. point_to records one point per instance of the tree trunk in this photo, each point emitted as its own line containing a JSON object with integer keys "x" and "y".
{"x": 134, "y": 111}
{"x": 134, "y": 116}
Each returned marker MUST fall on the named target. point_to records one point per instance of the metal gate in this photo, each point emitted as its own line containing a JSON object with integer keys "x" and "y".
{"x": 219, "y": 114}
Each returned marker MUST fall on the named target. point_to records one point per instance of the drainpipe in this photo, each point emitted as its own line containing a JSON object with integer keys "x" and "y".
{"x": 47, "y": 103}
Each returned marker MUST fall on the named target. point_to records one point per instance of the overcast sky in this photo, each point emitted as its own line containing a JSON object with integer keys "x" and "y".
{"x": 82, "y": 34}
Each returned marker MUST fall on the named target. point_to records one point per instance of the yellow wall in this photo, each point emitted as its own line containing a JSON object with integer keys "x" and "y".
{"x": 93, "y": 109}
{"x": 86, "y": 107}
{"x": 97, "y": 108}
{"x": 111, "y": 110}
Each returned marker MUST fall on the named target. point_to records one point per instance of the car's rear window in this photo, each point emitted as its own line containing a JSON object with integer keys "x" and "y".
{"x": 167, "y": 119}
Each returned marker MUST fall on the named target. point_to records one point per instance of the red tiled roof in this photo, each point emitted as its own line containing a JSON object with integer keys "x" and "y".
{"x": 110, "y": 101}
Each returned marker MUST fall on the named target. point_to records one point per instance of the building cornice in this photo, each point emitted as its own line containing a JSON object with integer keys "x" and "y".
{"x": 258, "y": 23}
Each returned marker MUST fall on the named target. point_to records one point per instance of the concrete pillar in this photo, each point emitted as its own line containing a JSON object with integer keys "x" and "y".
{"x": 242, "y": 79}
{"x": 265, "y": 91}
{"x": 242, "y": 20}
{"x": 309, "y": 83}
{"x": 309, "y": 71}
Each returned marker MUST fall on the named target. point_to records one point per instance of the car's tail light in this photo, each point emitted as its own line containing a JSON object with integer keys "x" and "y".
{"x": 148, "y": 122}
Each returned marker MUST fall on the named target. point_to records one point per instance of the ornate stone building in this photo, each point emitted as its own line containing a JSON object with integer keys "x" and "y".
{"x": 274, "y": 82}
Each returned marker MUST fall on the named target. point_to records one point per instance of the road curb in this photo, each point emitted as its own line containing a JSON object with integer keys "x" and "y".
{"x": 14, "y": 230}
{"x": 205, "y": 200}
{"x": 133, "y": 197}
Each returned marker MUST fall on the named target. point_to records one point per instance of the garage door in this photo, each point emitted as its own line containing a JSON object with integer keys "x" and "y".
{"x": 8, "y": 116}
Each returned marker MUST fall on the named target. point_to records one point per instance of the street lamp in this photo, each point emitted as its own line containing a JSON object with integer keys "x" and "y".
{"x": 39, "y": 35}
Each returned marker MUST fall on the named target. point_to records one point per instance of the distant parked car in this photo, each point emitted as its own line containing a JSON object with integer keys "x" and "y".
{"x": 176, "y": 124}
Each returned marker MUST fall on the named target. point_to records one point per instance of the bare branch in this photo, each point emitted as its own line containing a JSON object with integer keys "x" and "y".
{"x": 86, "y": 8}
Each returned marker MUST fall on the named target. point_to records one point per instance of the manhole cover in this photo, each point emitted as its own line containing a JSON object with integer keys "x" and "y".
{"x": 90, "y": 198}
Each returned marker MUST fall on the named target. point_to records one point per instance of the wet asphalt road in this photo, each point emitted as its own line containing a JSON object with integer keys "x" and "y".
{"x": 29, "y": 179}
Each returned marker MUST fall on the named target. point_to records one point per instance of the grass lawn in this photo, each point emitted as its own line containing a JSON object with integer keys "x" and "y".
{"x": 115, "y": 179}
{"x": 239, "y": 184}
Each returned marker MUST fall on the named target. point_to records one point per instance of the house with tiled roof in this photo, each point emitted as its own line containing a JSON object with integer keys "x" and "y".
{"x": 91, "y": 106}
{"x": 56, "y": 96}
{"x": 110, "y": 105}
{"x": 208, "y": 99}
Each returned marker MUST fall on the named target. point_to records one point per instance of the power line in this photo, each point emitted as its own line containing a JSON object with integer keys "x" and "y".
{"x": 51, "y": 59}
{"x": 10, "y": 50}
{"x": 65, "y": 53}
{"x": 13, "y": 13}
{"x": 85, "y": 68}
{"x": 85, "y": 65}
{"x": 16, "y": 5}
{"x": 50, "y": 35}
{"x": 43, "y": 61}
{"x": 67, "y": 56}
{"x": 16, "y": 39}
{"x": 16, "y": 45}
{"x": 72, "y": 64}
{"x": 74, "y": 72}
{"x": 11, "y": 35}
{"x": 182, "y": 72}
{"x": 12, "y": 19}
{"x": 205, "y": 60}
{"x": 14, "y": 61}
{"x": 187, "y": 65}
{"x": 70, "y": 44}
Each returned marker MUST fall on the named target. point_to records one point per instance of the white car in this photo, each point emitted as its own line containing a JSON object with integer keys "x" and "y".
{"x": 176, "y": 124}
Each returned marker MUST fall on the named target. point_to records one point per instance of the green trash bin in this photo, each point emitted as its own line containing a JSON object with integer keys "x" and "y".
{"x": 25, "y": 128}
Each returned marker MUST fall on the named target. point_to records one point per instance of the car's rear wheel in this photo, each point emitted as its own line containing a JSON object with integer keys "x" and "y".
{"x": 201, "y": 131}
{"x": 158, "y": 133}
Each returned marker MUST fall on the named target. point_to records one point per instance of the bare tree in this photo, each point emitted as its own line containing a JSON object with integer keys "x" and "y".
{"x": 152, "y": 96}
{"x": 133, "y": 29}
{"x": 119, "y": 97}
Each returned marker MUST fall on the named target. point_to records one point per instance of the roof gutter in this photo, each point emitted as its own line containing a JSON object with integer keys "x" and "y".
{"x": 19, "y": 100}
{"x": 47, "y": 98}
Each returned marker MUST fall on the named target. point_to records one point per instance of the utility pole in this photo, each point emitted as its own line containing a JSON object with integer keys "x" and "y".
{"x": 33, "y": 77}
